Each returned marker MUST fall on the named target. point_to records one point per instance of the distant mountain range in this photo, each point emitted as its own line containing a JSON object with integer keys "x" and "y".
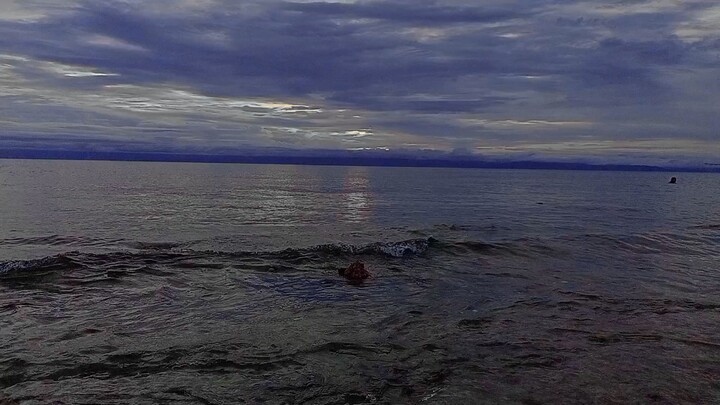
{"x": 348, "y": 158}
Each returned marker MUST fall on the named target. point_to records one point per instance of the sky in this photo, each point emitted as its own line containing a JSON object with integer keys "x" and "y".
{"x": 609, "y": 81}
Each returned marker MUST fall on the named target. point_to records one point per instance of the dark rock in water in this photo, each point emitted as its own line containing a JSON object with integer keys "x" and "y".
{"x": 673, "y": 180}
{"x": 355, "y": 271}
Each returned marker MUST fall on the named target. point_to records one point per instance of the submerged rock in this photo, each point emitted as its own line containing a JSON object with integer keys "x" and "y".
{"x": 355, "y": 271}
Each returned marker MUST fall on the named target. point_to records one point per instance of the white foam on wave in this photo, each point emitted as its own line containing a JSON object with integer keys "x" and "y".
{"x": 12, "y": 266}
{"x": 393, "y": 249}
{"x": 404, "y": 248}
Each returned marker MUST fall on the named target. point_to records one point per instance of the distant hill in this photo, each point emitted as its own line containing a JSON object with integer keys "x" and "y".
{"x": 344, "y": 158}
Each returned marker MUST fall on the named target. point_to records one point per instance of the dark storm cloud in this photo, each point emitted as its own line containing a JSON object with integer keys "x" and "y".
{"x": 440, "y": 71}
{"x": 310, "y": 50}
{"x": 408, "y": 12}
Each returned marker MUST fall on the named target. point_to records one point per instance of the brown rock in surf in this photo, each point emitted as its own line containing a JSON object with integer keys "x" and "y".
{"x": 355, "y": 271}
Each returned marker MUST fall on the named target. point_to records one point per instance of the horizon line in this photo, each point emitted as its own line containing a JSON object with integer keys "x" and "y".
{"x": 467, "y": 162}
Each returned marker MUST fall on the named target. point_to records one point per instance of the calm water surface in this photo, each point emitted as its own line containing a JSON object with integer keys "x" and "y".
{"x": 217, "y": 284}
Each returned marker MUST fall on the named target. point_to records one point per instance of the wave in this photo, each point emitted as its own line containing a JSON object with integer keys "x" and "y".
{"x": 171, "y": 254}
{"x": 58, "y": 240}
{"x": 45, "y": 264}
{"x": 180, "y": 256}
{"x": 393, "y": 249}
{"x": 521, "y": 247}
{"x": 153, "y": 245}
{"x": 142, "y": 257}
{"x": 411, "y": 247}
{"x": 711, "y": 227}
{"x": 663, "y": 243}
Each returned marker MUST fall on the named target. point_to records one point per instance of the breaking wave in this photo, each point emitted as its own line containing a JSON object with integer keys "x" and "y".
{"x": 49, "y": 264}
{"x": 392, "y": 249}
{"x": 148, "y": 253}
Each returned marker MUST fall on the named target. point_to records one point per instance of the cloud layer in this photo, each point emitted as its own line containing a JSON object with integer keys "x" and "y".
{"x": 562, "y": 78}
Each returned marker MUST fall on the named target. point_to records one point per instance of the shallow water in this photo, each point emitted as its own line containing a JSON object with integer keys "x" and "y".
{"x": 194, "y": 283}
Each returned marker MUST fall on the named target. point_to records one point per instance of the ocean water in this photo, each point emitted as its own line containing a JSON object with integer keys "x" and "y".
{"x": 218, "y": 284}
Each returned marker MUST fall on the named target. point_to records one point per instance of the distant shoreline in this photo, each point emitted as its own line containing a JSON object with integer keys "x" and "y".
{"x": 369, "y": 161}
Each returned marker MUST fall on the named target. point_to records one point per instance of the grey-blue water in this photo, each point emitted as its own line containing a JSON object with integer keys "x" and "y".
{"x": 218, "y": 284}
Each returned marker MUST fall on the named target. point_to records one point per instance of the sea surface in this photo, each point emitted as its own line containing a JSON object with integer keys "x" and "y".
{"x": 146, "y": 283}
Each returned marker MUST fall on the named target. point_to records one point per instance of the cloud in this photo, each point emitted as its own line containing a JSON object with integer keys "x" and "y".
{"x": 406, "y": 12}
{"x": 444, "y": 74}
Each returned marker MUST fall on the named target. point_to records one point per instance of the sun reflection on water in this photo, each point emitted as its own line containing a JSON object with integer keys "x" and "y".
{"x": 357, "y": 195}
